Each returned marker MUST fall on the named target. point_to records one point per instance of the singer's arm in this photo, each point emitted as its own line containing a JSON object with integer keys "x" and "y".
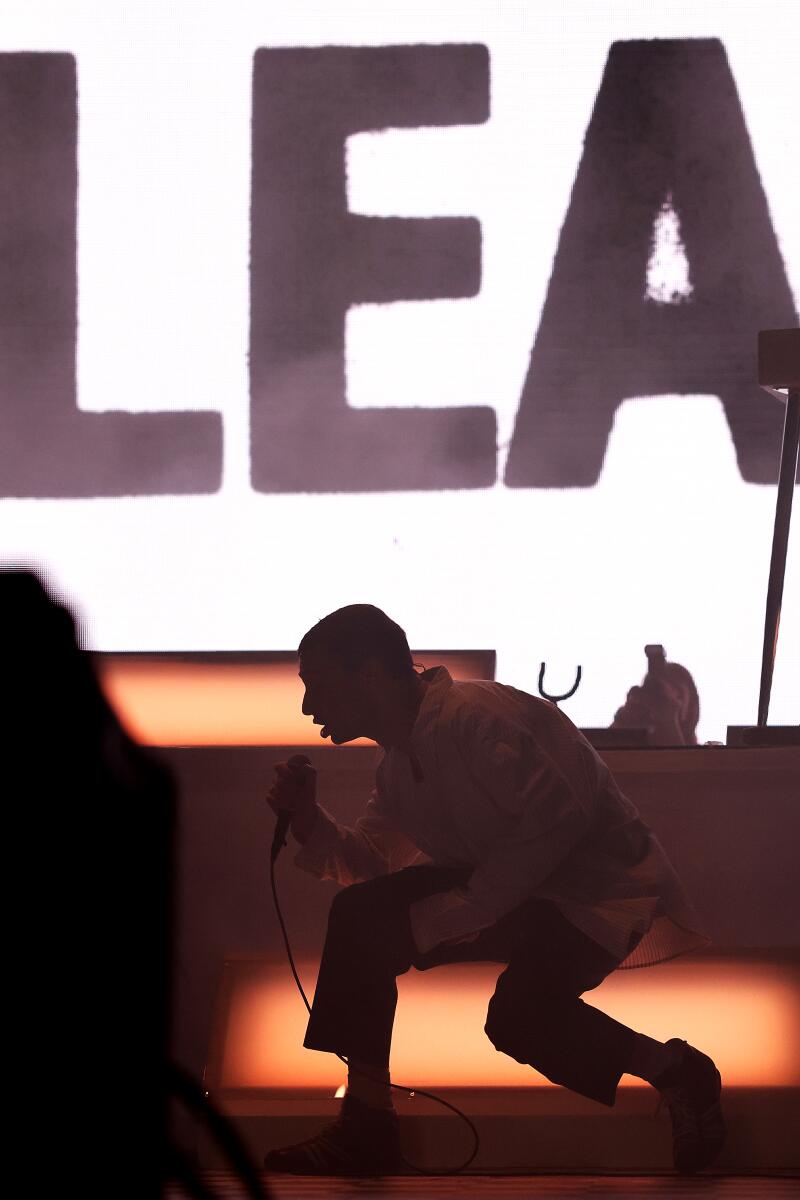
{"x": 328, "y": 849}
{"x": 373, "y": 847}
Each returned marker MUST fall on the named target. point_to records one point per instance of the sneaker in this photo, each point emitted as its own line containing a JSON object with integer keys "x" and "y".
{"x": 691, "y": 1089}
{"x": 362, "y": 1141}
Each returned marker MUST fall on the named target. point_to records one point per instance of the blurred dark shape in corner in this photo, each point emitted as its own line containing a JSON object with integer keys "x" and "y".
{"x": 665, "y": 705}
{"x": 89, "y": 837}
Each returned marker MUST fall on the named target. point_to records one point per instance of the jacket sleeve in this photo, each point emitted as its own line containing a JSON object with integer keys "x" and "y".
{"x": 541, "y": 812}
{"x": 346, "y": 855}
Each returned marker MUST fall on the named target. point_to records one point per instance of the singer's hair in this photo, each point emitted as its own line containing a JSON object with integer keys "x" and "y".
{"x": 359, "y": 632}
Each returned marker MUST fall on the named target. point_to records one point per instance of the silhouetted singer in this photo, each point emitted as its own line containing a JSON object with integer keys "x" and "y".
{"x": 495, "y": 833}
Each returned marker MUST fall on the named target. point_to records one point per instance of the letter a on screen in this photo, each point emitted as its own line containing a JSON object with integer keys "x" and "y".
{"x": 667, "y": 135}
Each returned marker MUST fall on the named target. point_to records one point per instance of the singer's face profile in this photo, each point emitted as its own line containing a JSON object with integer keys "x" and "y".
{"x": 336, "y": 698}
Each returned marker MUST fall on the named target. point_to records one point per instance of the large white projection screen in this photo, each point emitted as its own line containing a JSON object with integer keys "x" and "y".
{"x": 450, "y": 308}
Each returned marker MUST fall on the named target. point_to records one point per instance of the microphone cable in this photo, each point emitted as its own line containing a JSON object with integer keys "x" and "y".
{"x": 277, "y": 845}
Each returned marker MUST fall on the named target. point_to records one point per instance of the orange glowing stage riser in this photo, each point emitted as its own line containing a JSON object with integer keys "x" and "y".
{"x": 745, "y": 1014}
{"x": 168, "y": 701}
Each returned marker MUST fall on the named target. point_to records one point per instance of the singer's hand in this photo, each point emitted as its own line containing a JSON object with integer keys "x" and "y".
{"x": 295, "y": 791}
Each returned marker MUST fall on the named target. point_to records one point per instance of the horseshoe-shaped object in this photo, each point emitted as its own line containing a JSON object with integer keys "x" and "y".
{"x": 555, "y": 699}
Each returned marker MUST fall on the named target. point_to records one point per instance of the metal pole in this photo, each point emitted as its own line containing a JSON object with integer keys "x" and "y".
{"x": 780, "y": 542}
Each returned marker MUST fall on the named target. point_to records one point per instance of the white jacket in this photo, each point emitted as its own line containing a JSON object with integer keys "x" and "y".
{"x": 503, "y": 783}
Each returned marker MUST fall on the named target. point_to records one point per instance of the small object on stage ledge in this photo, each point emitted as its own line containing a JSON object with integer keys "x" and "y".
{"x": 665, "y": 706}
{"x": 564, "y": 695}
{"x": 763, "y": 735}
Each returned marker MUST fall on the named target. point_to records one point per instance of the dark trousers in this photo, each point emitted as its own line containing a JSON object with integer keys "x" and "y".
{"x": 535, "y": 1014}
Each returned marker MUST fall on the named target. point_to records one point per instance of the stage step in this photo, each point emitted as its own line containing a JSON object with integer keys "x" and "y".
{"x": 536, "y": 1129}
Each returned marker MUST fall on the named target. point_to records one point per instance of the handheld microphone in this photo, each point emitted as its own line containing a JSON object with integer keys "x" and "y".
{"x": 296, "y": 762}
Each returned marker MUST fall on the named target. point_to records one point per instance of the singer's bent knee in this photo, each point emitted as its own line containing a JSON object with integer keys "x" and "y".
{"x": 353, "y": 902}
{"x": 375, "y": 903}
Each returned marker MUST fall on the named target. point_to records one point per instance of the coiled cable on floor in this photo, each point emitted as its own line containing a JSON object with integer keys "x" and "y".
{"x": 396, "y": 1086}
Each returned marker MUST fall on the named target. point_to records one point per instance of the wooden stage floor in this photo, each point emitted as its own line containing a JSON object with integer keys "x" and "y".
{"x": 223, "y": 1185}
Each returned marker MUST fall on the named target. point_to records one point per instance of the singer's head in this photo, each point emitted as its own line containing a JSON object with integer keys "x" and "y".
{"x": 358, "y": 674}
